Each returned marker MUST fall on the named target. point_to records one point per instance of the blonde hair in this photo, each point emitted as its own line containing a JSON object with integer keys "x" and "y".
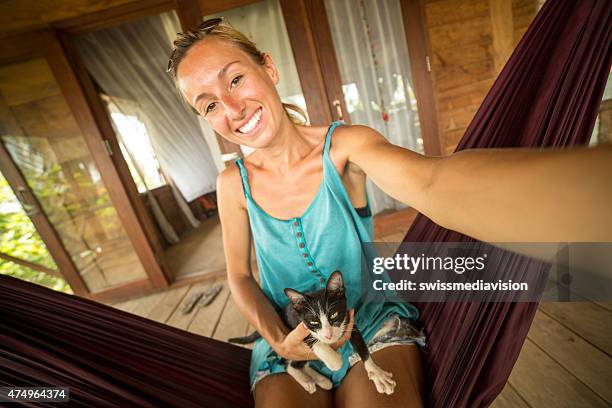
{"x": 225, "y": 32}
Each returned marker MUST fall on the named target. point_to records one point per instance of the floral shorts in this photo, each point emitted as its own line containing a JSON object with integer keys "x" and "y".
{"x": 396, "y": 330}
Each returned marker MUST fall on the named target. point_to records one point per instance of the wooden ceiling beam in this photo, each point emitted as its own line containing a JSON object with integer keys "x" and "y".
{"x": 113, "y": 16}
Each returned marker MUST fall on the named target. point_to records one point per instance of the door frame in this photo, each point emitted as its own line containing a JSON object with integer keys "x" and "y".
{"x": 419, "y": 49}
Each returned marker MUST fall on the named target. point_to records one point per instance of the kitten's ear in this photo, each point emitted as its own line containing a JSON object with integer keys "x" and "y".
{"x": 294, "y": 296}
{"x": 335, "y": 283}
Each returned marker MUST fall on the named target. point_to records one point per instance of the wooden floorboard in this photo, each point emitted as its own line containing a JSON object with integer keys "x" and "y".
{"x": 147, "y": 303}
{"x": 509, "y": 398}
{"x": 207, "y": 318}
{"x": 181, "y": 320}
{"x": 200, "y": 250}
{"x": 542, "y": 382}
{"x": 572, "y": 352}
{"x": 607, "y": 306}
{"x": 232, "y": 323}
{"x": 166, "y": 306}
{"x": 128, "y": 306}
{"x": 587, "y": 320}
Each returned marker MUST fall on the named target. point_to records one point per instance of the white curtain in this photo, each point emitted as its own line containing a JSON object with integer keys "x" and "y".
{"x": 129, "y": 63}
{"x": 130, "y": 150}
{"x": 371, "y": 49}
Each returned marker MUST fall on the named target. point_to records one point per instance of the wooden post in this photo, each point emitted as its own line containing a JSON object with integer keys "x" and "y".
{"x": 306, "y": 59}
{"x": 326, "y": 55}
{"x": 502, "y": 28}
{"x": 418, "y": 49}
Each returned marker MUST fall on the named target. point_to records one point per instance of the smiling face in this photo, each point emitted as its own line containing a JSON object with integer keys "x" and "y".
{"x": 233, "y": 93}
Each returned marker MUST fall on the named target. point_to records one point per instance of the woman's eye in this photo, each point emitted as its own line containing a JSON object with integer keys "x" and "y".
{"x": 236, "y": 80}
{"x": 211, "y": 107}
{"x": 334, "y": 315}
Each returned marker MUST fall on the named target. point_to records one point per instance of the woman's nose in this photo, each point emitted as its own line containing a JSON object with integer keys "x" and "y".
{"x": 234, "y": 108}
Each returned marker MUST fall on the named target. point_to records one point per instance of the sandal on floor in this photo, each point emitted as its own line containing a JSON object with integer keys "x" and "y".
{"x": 191, "y": 302}
{"x": 210, "y": 294}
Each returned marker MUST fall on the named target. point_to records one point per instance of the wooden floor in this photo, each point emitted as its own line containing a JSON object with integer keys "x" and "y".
{"x": 199, "y": 251}
{"x": 566, "y": 360}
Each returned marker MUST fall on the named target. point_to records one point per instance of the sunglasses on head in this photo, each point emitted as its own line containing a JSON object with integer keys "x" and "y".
{"x": 205, "y": 25}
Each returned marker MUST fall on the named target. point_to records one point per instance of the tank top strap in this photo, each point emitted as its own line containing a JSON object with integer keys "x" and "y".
{"x": 245, "y": 178}
{"x": 334, "y": 180}
{"x": 333, "y": 126}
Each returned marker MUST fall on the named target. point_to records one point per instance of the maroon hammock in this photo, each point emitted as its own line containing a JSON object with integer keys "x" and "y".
{"x": 547, "y": 95}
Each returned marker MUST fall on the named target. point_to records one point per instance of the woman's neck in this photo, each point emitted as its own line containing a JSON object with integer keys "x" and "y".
{"x": 288, "y": 148}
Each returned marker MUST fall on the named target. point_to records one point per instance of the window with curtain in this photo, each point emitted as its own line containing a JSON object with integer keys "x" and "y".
{"x": 128, "y": 61}
{"x": 137, "y": 150}
{"x": 372, "y": 54}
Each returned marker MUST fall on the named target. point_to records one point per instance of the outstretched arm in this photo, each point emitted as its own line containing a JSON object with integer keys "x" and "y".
{"x": 497, "y": 195}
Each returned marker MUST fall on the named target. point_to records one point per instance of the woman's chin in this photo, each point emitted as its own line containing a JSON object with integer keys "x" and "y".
{"x": 261, "y": 140}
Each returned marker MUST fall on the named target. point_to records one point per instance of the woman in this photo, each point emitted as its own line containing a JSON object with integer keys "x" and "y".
{"x": 298, "y": 173}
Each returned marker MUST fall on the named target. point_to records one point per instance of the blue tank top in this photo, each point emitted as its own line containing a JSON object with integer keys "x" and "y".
{"x": 302, "y": 252}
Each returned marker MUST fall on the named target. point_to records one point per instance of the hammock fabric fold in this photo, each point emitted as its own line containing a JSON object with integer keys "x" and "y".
{"x": 112, "y": 358}
{"x": 547, "y": 95}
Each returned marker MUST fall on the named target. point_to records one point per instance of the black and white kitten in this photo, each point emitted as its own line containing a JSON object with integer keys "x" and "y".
{"x": 325, "y": 314}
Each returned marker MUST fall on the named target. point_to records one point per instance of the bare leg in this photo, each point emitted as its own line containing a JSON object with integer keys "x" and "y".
{"x": 404, "y": 362}
{"x": 282, "y": 391}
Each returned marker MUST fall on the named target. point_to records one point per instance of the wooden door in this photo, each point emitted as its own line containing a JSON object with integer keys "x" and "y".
{"x": 55, "y": 159}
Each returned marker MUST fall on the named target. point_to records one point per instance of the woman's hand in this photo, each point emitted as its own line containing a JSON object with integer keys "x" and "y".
{"x": 294, "y": 348}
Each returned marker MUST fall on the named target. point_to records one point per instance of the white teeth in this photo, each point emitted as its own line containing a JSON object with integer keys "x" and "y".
{"x": 252, "y": 123}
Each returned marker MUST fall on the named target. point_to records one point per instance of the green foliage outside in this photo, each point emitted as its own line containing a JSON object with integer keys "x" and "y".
{"x": 18, "y": 238}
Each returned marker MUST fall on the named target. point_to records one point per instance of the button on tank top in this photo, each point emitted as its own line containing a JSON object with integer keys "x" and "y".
{"x": 302, "y": 252}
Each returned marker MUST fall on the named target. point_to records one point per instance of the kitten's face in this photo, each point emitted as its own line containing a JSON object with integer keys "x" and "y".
{"x": 324, "y": 312}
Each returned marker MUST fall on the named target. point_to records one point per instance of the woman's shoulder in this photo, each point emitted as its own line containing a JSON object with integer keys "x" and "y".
{"x": 354, "y": 134}
{"x": 348, "y": 138}
{"x": 229, "y": 185}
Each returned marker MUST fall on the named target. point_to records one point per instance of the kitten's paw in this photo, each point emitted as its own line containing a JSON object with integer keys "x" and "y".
{"x": 383, "y": 380}
{"x": 309, "y": 386}
{"x": 325, "y": 383}
{"x": 330, "y": 357}
{"x": 318, "y": 378}
{"x": 333, "y": 361}
{"x": 303, "y": 379}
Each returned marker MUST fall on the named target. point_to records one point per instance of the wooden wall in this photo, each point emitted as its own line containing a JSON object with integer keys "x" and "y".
{"x": 470, "y": 42}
